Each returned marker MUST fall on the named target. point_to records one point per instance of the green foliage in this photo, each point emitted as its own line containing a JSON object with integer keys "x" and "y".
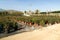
{"x": 42, "y": 22}
{"x": 7, "y": 19}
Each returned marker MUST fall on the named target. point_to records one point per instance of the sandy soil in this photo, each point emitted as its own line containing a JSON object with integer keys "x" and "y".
{"x": 47, "y": 33}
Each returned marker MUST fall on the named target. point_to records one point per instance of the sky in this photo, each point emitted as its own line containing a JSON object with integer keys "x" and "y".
{"x": 22, "y": 5}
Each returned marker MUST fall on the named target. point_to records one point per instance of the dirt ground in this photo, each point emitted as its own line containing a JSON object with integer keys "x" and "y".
{"x": 47, "y": 33}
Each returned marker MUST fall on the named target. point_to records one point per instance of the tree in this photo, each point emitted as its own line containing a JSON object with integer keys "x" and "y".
{"x": 1, "y": 28}
{"x": 16, "y": 26}
{"x": 25, "y": 11}
{"x": 37, "y": 11}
